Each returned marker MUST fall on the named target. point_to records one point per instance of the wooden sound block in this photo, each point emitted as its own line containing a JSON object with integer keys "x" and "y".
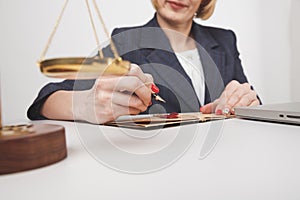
{"x": 37, "y": 146}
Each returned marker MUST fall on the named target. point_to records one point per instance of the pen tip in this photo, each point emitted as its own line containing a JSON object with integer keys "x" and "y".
{"x": 158, "y": 98}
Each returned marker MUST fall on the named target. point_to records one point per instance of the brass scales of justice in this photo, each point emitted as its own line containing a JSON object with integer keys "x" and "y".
{"x": 29, "y": 146}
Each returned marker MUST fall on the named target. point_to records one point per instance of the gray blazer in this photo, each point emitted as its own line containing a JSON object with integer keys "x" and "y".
{"x": 149, "y": 47}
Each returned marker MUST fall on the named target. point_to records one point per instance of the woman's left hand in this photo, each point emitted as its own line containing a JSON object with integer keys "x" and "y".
{"x": 234, "y": 95}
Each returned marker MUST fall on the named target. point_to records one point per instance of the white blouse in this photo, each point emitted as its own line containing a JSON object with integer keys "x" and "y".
{"x": 191, "y": 63}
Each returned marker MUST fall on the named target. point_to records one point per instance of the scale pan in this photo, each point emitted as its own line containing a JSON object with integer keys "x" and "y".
{"x": 83, "y": 67}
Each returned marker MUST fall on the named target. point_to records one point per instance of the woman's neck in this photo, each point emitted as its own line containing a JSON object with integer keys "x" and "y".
{"x": 178, "y": 34}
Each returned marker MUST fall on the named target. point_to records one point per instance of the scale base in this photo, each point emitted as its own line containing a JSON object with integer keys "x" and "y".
{"x": 25, "y": 147}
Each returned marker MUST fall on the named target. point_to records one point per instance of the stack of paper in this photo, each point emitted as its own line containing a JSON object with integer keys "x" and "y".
{"x": 163, "y": 120}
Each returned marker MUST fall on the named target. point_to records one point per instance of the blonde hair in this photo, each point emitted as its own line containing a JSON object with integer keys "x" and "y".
{"x": 205, "y": 10}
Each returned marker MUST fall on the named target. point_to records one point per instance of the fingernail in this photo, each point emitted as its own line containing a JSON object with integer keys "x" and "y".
{"x": 154, "y": 89}
{"x": 150, "y": 103}
{"x": 219, "y": 112}
{"x": 201, "y": 109}
{"x": 232, "y": 111}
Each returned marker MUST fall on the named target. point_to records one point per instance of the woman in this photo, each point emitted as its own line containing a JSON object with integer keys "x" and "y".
{"x": 195, "y": 67}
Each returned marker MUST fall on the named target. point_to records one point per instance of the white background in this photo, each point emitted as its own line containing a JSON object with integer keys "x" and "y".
{"x": 267, "y": 33}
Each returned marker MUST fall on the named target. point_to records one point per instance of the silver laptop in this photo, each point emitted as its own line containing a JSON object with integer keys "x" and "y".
{"x": 281, "y": 113}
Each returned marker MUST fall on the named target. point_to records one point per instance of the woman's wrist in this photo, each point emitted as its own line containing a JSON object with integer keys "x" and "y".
{"x": 59, "y": 106}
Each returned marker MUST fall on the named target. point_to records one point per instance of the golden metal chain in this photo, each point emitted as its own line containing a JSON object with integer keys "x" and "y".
{"x": 54, "y": 30}
{"x": 112, "y": 45}
{"x": 94, "y": 29}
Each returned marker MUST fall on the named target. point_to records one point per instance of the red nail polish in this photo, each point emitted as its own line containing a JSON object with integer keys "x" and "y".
{"x": 219, "y": 112}
{"x": 154, "y": 89}
{"x": 150, "y": 103}
{"x": 201, "y": 109}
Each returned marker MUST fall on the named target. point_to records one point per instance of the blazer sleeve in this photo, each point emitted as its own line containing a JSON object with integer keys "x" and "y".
{"x": 239, "y": 74}
{"x": 34, "y": 111}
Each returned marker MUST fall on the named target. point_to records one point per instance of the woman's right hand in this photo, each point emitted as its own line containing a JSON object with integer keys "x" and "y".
{"x": 113, "y": 96}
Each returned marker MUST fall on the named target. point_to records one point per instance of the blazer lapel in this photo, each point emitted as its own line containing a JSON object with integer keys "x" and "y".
{"x": 213, "y": 62}
{"x": 165, "y": 67}
{"x": 167, "y": 71}
{"x": 208, "y": 43}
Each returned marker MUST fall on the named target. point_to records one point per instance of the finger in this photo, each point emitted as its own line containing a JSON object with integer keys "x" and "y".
{"x": 246, "y": 99}
{"x": 113, "y": 111}
{"x": 123, "y": 110}
{"x": 129, "y": 100}
{"x": 221, "y": 109}
{"x": 220, "y": 105}
{"x": 106, "y": 109}
{"x": 230, "y": 88}
{"x": 134, "y": 85}
{"x": 149, "y": 80}
{"x": 232, "y": 94}
{"x": 255, "y": 103}
{"x": 210, "y": 107}
{"x": 240, "y": 92}
{"x": 206, "y": 108}
{"x": 131, "y": 84}
{"x": 135, "y": 70}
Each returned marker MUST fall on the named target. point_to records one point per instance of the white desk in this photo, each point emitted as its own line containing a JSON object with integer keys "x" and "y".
{"x": 252, "y": 160}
